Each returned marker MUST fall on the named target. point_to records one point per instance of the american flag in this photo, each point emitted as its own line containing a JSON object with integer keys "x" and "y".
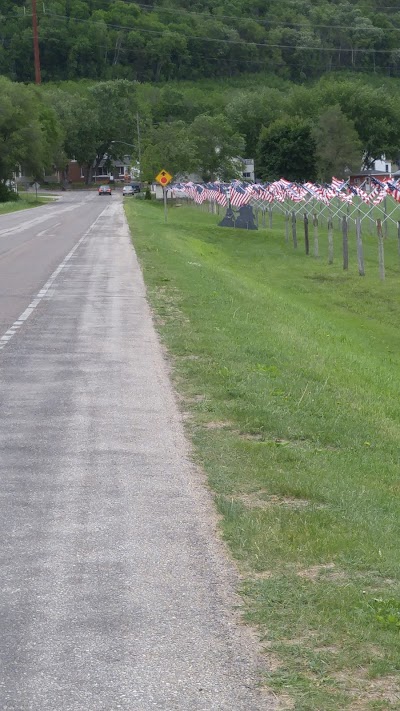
{"x": 238, "y": 195}
{"x": 199, "y": 194}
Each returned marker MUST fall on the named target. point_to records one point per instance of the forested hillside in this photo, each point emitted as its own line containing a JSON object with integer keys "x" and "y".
{"x": 192, "y": 39}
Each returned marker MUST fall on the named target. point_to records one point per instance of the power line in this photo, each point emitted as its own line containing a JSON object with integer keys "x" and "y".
{"x": 242, "y": 43}
{"x": 257, "y": 20}
{"x": 262, "y": 63}
{"x": 239, "y": 18}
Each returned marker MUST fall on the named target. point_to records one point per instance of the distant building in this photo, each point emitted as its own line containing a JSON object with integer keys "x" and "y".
{"x": 248, "y": 169}
{"x": 382, "y": 165}
{"x": 107, "y": 170}
{"x": 363, "y": 177}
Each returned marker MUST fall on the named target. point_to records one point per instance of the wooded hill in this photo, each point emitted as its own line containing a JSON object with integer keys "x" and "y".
{"x": 189, "y": 39}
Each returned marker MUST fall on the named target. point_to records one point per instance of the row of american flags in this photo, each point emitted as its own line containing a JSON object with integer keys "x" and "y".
{"x": 237, "y": 194}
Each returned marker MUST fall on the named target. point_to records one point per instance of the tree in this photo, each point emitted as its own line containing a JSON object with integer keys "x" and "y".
{"x": 287, "y": 149}
{"x": 98, "y": 124}
{"x": 249, "y": 111}
{"x": 217, "y": 147}
{"x": 29, "y": 133}
{"x": 375, "y": 112}
{"x": 169, "y": 147}
{"x": 338, "y": 146}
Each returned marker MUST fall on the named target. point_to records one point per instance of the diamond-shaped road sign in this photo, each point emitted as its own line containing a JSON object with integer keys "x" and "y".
{"x": 163, "y": 178}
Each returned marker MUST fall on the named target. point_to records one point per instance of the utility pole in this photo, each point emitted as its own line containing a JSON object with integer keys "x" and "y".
{"x": 36, "y": 54}
{"x": 139, "y": 149}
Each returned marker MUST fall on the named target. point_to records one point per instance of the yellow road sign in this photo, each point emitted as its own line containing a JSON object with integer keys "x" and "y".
{"x": 163, "y": 178}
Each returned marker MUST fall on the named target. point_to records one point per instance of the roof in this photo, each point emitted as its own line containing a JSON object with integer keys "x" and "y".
{"x": 370, "y": 172}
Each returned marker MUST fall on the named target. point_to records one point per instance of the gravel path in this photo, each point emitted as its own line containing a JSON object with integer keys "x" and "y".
{"x": 116, "y": 593}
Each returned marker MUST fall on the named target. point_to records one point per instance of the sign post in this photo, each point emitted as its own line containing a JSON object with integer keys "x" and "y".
{"x": 164, "y": 178}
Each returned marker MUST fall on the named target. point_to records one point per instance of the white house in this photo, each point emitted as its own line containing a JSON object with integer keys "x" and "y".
{"x": 248, "y": 169}
{"x": 382, "y": 165}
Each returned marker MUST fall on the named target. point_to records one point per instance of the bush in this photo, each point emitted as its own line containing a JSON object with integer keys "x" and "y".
{"x": 7, "y": 195}
{"x": 147, "y": 195}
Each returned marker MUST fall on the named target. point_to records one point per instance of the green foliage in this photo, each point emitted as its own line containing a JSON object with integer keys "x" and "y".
{"x": 169, "y": 147}
{"x": 287, "y": 149}
{"x": 217, "y": 145}
{"x": 387, "y": 612}
{"x": 249, "y": 111}
{"x": 7, "y": 195}
{"x": 338, "y": 147}
{"x": 29, "y": 132}
{"x": 181, "y": 40}
{"x": 98, "y": 123}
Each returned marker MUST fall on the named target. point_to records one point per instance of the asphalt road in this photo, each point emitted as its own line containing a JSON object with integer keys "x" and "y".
{"x": 115, "y": 592}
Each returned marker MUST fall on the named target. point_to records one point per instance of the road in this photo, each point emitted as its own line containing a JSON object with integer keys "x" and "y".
{"x": 115, "y": 592}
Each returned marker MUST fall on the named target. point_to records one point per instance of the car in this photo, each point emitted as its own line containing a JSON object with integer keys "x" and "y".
{"x": 128, "y": 190}
{"x": 104, "y": 190}
{"x": 135, "y": 187}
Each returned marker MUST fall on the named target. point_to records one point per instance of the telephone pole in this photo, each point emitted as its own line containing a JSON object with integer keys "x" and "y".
{"x": 36, "y": 43}
{"x": 139, "y": 147}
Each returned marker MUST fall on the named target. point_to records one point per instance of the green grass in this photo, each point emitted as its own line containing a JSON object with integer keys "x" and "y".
{"x": 27, "y": 201}
{"x": 289, "y": 369}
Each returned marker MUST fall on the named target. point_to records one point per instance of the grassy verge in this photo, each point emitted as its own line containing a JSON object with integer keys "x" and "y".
{"x": 25, "y": 202}
{"x": 289, "y": 369}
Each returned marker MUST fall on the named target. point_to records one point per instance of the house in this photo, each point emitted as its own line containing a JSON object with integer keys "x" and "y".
{"x": 107, "y": 169}
{"x": 248, "y": 169}
{"x": 363, "y": 177}
{"x": 382, "y": 165}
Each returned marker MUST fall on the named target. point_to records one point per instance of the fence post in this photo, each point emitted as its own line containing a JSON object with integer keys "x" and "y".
{"x": 306, "y": 240}
{"x": 287, "y": 216}
{"x": 385, "y": 221}
{"x": 270, "y": 216}
{"x": 294, "y": 231}
{"x": 264, "y": 224}
{"x": 360, "y": 252}
{"x": 330, "y": 240}
{"x": 345, "y": 243}
{"x": 398, "y": 237}
{"x": 316, "y": 245}
{"x": 381, "y": 250}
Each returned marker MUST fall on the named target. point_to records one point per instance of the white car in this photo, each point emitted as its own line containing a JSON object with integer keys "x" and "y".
{"x": 128, "y": 190}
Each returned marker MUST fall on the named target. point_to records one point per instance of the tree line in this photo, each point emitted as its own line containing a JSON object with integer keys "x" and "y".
{"x": 306, "y": 132}
{"x": 192, "y": 39}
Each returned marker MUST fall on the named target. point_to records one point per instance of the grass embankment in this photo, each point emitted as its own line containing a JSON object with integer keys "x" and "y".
{"x": 23, "y": 203}
{"x": 290, "y": 370}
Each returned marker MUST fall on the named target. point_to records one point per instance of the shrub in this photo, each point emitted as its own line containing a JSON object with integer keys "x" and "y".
{"x": 7, "y": 195}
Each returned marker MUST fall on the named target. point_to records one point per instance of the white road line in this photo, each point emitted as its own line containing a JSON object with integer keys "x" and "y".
{"x": 53, "y": 227}
{"x": 43, "y": 291}
{"x": 53, "y": 212}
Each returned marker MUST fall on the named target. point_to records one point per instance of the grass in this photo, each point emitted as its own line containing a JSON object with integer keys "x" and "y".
{"x": 289, "y": 369}
{"x": 27, "y": 201}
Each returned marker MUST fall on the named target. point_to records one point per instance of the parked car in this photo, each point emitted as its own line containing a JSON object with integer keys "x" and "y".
{"x": 128, "y": 190}
{"x": 135, "y": 187}
{"x": 104, "y": 190}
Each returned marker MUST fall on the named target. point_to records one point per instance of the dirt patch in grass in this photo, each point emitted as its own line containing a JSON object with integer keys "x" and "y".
{"x": 263, "y": 500}
{"x": 365, "y": 691}
{"x": 263, "y": 575}
{"x": 218, "y": 425}
{"x": 273, "y": 662}
{"x": 328, "y": 572}
{"x": 194, "y": 399}
{"x": 284, "y": 701}
{"x": 191, "y": 356}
